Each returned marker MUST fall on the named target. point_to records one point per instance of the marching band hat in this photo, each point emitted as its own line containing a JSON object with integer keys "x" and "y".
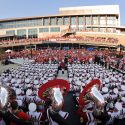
{"x": 118, "y": 106}
{"x": 18, "y": 91}
{"x": 20, "y": 102}
{"x": 32, "y": 107}
{"x": 123, "y": 99}
{"x": 106, "y": 80}
{"x": 29, "y": 92}
{"x": 115, "y": 90}
{"x": 105, "y": 89}
{"x": 123, "y": 87}
{"x": 111, "y": 105}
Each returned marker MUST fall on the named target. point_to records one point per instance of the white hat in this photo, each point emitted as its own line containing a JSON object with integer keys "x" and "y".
{"x": 29, "y": 92}
{"x": 107, "y": 80}
{"x": 27, "y": 80}
{"x": 37, "y": 86}
{"x": 123, "y": 99}
{"x": 13, "y": 80}
{"x": 111, "y": 105}
{"x": 29, "y": 85}
{"x": 7, "y": 84}
{"x": 26, "y": 74}
{"x": 32, "y": 107}
{"x": 16, "y": 85}
{"x": 105, "y": 89}
{"x": 118, "y": 106}
{"x": 18, "y": 81}
{"x": 120, "y": 79}
{"x": 18, "y": 91}
{"x": 36, "y": 82}
{"x": 123, "y": 87}
{"x": 115, "y": 90}
{"x": 20, "y": 102}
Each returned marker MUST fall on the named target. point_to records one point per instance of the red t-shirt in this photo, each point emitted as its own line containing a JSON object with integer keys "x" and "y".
{"x": 21, "y": 115}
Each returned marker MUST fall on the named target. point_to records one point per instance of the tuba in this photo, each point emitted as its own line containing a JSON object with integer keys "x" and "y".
{"x": 53, "y": 91}
{"x": 92, "y": 94}
{"x": 6, "y": 96}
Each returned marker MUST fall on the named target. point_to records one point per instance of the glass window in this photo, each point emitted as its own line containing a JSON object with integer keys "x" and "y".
{"x": 10, "y": 32}
{"x": 111, "y": 30}
{"x": 43, "y": 30}
{"x": 88, "y": 20}
{"x": 80, "y": 28}
{"x": 102, "y": 29}
{"x": 95, "y": 29}
{"x": 22, "y": 23}
{"x": 80, "y": 21}
{"x": 88, "y": 29}
{"x": 73, "y": 20}
{"x": 66, "y": 20}
{"x": 45, "y": 21}
{"x": 111, "y": 20}
{"x": 102, "y": 20}
{"x": 52, "y": 21}
{"x": 73, "y": 29}
{"x": 0, "y": 25}
{"x": 59, "y": 21}
{"x": 21, "y": 32}
{"x": 32, "y": 31}
{"x": 95, "y": 20}
{"x": 55, "y": 29}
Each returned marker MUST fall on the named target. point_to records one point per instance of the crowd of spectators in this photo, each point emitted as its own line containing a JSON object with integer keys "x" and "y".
{"x": 105, "y": 57}
{"x": 80, "y": 64}
{"x": 60, "y": 38}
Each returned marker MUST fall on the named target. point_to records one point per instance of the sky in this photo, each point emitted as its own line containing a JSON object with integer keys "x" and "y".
{"x": 24, "y": 8}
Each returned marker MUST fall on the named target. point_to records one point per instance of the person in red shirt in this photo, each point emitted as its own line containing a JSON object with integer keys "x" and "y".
{"x": 18, "y": 113}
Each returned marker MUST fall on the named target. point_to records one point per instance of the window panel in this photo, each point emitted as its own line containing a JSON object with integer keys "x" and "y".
{"x": 21, "y": 32}
{"x": 95, "y": 29}
{"x": 55, "y": 29}
{"x": 88, "y": 20}
{"x": 10, "y": 32}
{"x": 46, "y": 21}
{"x": 80, "y": 21}
{"x": 95, "y": 20}
{"x": 102, "y": 29}
{"x": 73, "y": 20}
{"x": 80, "y": 28}
{"x": 66, "y": 20}
{"x": 32, "y": 31}
{"x": 88, "y": 29}
{"x": 43, "y": 30}
{"x": 102, "y": 20}
{"x": 111, "y": 30}
{"x": 59, "y": 21}
{"x": 111, "y": 20}
{"x": 52, "y": 21}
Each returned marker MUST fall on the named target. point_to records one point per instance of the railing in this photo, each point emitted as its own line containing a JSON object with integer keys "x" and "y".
{"x": 58, "y": 39}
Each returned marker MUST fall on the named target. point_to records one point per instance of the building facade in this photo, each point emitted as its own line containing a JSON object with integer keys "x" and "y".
{"x": 98, "y": 19}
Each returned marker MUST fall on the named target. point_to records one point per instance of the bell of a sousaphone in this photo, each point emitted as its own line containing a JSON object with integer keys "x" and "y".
{"x": 7, "y": 95}
{"x": 4, "y": 96}
{"x": 96, "y": 96}
{"x": 53, "y": 91}
{"x": 57, "y": 99}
